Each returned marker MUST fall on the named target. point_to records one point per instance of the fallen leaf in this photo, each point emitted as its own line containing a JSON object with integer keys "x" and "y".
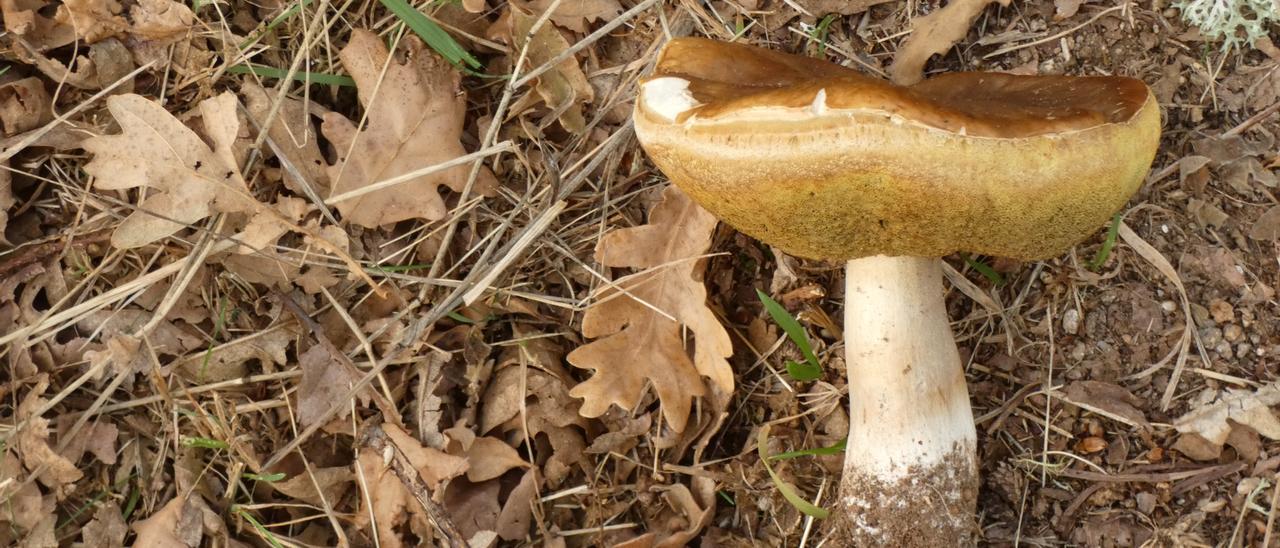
{"x": 160, "y": 20}
{"x": 188, "y": 181}
{"x": 33, "y": 442}
{"x": 324, "y": 380}
{"x": 227, "y": 361}
{"x": 1267, "y": 227}
{"x": 1213, "y": 413}
{"x": 489, "y": 458}
{"x": 473, "y": 507}
{"x": 333, "y": 483}
{"x": 683, "y": 518}
{"x": 415, "y": 119}
{"x": 175, "y": 525}
{"x": 517, "y": 510}
{"x": 93, "y": 20}
{"x": 1064, "y": 9}
{"x": 107, "y": 528}
{"x": 32, "y": 514}
{"x": 24, "y": 105}
{"x": 294, "y": 137}
{"x": 564, "y": 88}
{"x": 433, "y": 465}
{"x": 575, "y": 15}
{"x": 782, "y": 12}
{"x": 388, "y": 502}
{"x": 107, "y": 62}
{"x": 25, "y": 18}
{"x": 934, "y": 34}
{"x": 639, "y": 331}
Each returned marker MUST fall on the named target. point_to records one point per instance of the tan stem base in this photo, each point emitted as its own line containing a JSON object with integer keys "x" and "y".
{"x": 910, "y": 474}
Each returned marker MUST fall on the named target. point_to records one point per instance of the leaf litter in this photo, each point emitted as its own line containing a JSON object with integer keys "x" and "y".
{"x": 153, "y": 373}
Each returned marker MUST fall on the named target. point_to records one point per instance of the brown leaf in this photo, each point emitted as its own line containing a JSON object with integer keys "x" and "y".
{"x": 160, "y": 20}
{"x": 489, "y": 458}
{"x": 1214, "y": 414}
{"x": 175, "y": 525}
{"x": 107, "y": 62}
{"x": 388, "y": 501}
{"x": 227, "y": 361}
{"x": 414, "y": 121}
{"x": 575, "y": 15}
{"x": 324, "y": 380}
{"x": 24, "y": 105}
{"x": 1267, "y": 227}
{"x": 107, "y": 529}
{"x": 781, "y": 12}
{"x": 93, "y": 20}
{"x": 517, "y": 510}
{"x": 433, "y": 465}
{"x": 24, "y": 18}
{"x": 32, "y": 514}
{"x": 564, "y": 88}
{"x": 188, "y": 181}
{"x": 934, "y": 34}
{"x": 332, "y": 481}
{"x": 294, "y": 136}
{"x": 1107, "y": 398}
{"x": 1064, "y": 9}
{"x": 33, "y": 442}
{"x": 639, "y": 345}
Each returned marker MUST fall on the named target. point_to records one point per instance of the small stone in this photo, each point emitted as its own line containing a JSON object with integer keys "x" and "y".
{"x": 1071, "y": 321}
{"x": 1232, "y": 332}
{"x": 1200, "y": 315}
{"x": 1223, "y": 349}
{"x": 1168, "y": 306}
{"x": 1146, "y": 502}
{"x": 1210, "y": 336}
{"x": 1221, "y": 311}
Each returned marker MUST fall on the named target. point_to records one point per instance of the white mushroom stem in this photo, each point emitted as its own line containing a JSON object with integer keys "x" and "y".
{"x": 910, "y": 472}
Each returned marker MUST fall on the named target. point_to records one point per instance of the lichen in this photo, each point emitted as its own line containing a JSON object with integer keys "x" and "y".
{"x": 1236, "y": 23}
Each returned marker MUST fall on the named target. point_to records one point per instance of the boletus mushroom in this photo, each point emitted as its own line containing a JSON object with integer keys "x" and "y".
{"x": 825, "y": 163}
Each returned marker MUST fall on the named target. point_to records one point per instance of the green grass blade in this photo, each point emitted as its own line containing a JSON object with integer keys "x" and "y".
{"x": 808, "y": 370}
{"x": 322, "y": 78}
{"x": 431, "y": 33}
{"x": 787, "y": 490}
{"x": 818, "y": 451}
{"x": 983, "y": 268}
{"x": 1108, "y": 244}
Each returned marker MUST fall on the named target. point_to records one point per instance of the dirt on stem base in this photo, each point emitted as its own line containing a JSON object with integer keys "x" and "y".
{"x": 931, "y": 506}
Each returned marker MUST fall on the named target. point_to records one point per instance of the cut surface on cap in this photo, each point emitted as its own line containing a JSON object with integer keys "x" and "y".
{"x": 824, "y": 162}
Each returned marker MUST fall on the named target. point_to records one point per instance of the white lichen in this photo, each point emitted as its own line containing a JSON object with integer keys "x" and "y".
{"x": 1235, "y": 22}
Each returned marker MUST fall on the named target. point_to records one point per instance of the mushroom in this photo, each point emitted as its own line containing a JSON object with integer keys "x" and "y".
{"x": 825, "y": 163}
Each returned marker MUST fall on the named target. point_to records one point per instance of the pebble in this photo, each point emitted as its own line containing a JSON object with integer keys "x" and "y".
{"x": 1232, "y": 332}
{"x": 1071, "y": 321}
{"x": 1223, "y": 349}
{"x": 1168, "y": 306}
{"x": 1243, "y": 349}
{"x": 1210, "y": 336}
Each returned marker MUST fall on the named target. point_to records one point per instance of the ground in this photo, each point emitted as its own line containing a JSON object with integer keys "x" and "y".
{"x": 203, "y": 346}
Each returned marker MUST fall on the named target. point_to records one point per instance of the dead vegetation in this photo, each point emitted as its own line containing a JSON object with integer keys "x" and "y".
{"x": 289, "y": 274}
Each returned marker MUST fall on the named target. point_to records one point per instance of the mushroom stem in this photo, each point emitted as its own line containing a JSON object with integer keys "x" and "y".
{"x": 910, "y": 472}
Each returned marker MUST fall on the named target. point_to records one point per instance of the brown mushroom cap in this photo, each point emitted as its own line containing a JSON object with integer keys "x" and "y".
{"x": 826, "y": 163}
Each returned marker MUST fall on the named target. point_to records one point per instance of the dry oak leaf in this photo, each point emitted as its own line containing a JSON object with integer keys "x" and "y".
{"x": 24, "y": 18}
{"x": 93, "y": 20}
{"x": 933, "y": 34}
{"x": 575, "y": 15}
{"x": 294, "y": 137}
{"x": 638, "y": 345}
{"x": 24, "y": 105}
{"x": 564, "y": 88}
{"x": 1213, "y": 413}
{"x": 415, "y": 116}
{"x": 188, "y": 180}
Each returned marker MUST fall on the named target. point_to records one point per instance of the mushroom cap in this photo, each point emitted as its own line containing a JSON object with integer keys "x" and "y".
{"x": 826, "y": 163}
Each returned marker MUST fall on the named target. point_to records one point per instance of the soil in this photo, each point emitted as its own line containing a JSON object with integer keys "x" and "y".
{"x": 1082, "y": 369}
